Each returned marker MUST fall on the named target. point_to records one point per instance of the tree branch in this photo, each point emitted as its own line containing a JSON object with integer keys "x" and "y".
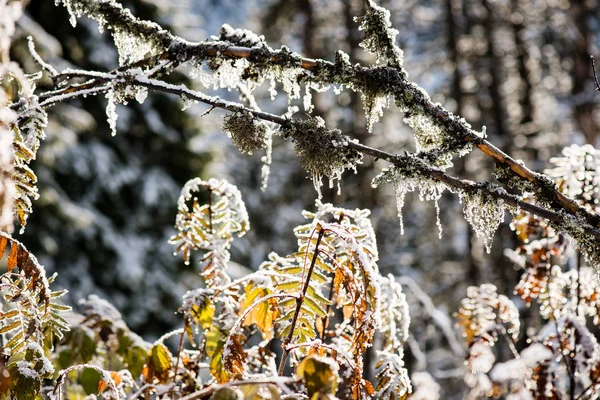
{"x": 419, "y": 166}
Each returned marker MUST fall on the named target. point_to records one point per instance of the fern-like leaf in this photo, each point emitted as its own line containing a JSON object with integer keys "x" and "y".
{"x": 29, "y": 131}
{"x": 211, "y": 226}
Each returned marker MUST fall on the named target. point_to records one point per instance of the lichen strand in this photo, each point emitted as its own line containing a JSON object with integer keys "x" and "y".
{"x": 247, "y": 133}
{"x": 380, "y": 37}
{"x": 484, "y": 212}
{"x": 322, "y": 152}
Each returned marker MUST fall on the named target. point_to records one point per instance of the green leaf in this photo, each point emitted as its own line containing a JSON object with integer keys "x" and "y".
{"x": 89, "y": 379}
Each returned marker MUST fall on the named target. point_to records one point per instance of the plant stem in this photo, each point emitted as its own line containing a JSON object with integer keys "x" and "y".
{"x": 299, "y": 301}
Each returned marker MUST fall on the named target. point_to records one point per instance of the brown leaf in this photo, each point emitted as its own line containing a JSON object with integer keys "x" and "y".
{"x": 12, "y": 257}
{"x": 3, "y": 243}
{"x": 234, "y": 357}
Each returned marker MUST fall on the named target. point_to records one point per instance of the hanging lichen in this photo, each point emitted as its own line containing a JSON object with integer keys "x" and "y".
{"x": 484, "y": 212}
{"x": 247, "y": 133}
{"x": 322, "y": 152}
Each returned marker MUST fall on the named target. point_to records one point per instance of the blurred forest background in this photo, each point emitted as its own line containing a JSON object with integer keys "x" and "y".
{"x": 521, "y": 68}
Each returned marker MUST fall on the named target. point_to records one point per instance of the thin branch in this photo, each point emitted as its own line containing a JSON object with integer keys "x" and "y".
{"x": 382, "y": 80}
{"x": 51, "y": 70}
{"x": 595, "y": 74}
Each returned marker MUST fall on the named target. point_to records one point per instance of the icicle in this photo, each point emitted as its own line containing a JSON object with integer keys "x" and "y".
{"x": 266, "y": 160}
{"x": 111, "y": 112}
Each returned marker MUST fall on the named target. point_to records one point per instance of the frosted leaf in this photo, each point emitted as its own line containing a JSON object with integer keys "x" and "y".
{"x": 424, "y": 387}
{"x": 578, "y": 174}
{"x": 395, "y": 318}
{"x": 392, "y": 376}
{"x": 481, "y": 357}
{"x": 484, "y": 213}
{"x": 111, "y": 112}
{"x": 483, "y": 310}
{"x": 210, "y": 226}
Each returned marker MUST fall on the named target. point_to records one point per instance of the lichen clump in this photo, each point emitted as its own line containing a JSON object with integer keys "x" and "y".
{"x": 380, "y": 37}
{"x": 247, "y": 133}
{"x": 322, "y": 152}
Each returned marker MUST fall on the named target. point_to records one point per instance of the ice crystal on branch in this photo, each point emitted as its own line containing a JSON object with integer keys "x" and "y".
{"x": 405, "y": 180}
{"x": 247, "y": 133}
{"x": 241, "y": 37}
{"x": 134, "y": 38}
{"x": 322, "y": 152}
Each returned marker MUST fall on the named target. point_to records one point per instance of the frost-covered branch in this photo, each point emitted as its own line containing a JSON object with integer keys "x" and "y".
{"x": 412, "y": 165}
{"x": 379, "y": 81}
{"x": 439, "y": 134}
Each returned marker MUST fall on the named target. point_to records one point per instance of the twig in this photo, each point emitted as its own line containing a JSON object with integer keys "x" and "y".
{"x": 51, "y": 70}
{"x": 595, "y": 74}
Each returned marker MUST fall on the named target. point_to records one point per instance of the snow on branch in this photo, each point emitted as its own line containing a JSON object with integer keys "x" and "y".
{"x": 242, "y": 58}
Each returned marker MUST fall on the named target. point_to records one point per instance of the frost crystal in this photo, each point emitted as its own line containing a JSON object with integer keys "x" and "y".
{"x": 374, "y": 104}
{"x": 484, "y": 213}
{"x": 132, "y": 48}
{"x": 265, "y": 170}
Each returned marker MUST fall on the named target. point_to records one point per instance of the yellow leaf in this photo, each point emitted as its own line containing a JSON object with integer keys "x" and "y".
{"x": 264, "y": 314}
{"x": 159, "y": 364}
{"x": 203, "y": 315}
{"x": 319, "y": 374}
